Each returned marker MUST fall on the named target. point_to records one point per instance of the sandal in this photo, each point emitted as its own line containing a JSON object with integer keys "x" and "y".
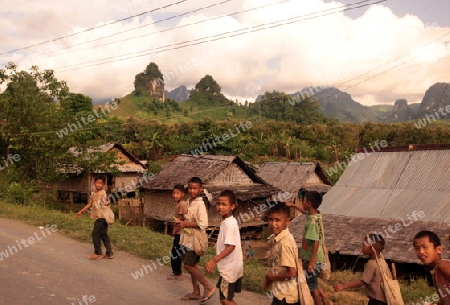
{"x": 205, "y": 299}
{"x": 189, "y": 296}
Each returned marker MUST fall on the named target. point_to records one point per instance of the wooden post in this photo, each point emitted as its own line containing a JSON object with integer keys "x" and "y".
{"x": 165, "y": 227}
{"x": 394, "y": 271}
{"x": 333, "y": 261}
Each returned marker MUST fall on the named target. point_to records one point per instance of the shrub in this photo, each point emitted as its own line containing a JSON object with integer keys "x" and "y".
{"x": 19, "y": 194}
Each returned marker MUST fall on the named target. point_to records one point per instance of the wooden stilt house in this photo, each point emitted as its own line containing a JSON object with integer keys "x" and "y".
{"x": 79, "y": 183}
{"x": 218, "y": 173}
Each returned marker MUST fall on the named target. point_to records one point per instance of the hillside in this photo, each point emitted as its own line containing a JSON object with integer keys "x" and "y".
{"x": 200, "y": 106}
{"x": 436, "y": 97}
{"x": 128, "y": 106}
{"x": 334, "y": 104}
{"x": 340, "y": 105}
{"x": 205, "y": 102}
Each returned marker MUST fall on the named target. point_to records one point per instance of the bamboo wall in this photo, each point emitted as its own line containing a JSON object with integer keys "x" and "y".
{"x": 160, "y": 205}
{"x": 130, "y": 210}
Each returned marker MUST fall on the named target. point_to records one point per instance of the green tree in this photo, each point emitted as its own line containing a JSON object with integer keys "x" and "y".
{"x": 280, "y": 106}
{"x": 75, "y": 103}
{"x": 29, "y": 112}
{"x": 152, "y": 71}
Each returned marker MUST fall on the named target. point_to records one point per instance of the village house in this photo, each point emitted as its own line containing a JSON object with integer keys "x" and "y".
{"x": 396, "y": 192}
{"x": 79, "y": 183}
{"x": 291, "y": 176}
{"x": 218, "y": 173}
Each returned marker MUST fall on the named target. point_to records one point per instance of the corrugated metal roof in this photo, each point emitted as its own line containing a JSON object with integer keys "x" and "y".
{"x": 392, "y": 185}
{"x": 344, "y": 234}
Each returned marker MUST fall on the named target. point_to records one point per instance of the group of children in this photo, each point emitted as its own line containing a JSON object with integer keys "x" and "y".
{"x": 281, "y": 280}
{"x": 192, "y": 215}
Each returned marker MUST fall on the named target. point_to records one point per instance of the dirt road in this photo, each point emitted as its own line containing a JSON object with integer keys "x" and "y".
{"x": 39, "y": 266}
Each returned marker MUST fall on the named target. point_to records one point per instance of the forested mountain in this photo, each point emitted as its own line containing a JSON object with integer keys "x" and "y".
{"x": 401, "y": 112}
{"x": 340, "y": 105}
{"x": 179, "y": 94}
{"x": 436, "y": 98}
{"x": 332, "y": 103}
{"x": 308, "y": 105}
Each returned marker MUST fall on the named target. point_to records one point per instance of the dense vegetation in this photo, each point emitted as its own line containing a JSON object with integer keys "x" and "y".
{"x": 41, "y": 119}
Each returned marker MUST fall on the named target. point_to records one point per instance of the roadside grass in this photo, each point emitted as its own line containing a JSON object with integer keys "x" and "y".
{"x": 151, "y": 245}
{"x": 139, "y": 241}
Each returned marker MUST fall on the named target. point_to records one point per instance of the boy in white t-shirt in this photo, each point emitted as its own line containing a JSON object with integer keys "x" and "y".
{"x": 228, "y": 250}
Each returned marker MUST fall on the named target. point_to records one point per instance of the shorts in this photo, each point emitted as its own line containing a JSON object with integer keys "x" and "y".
{"x": 311, "y": 278}
{"x": 375, "y": 302}
{"x": 227, "y": 290}
{"x": 190, "y": 258}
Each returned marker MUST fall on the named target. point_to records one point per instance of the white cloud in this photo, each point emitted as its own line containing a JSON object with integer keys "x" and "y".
{"x": 327, "y": 50}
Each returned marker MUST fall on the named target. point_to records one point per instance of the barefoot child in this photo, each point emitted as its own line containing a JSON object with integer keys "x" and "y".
{"x": 180, "y": 210}
{"x": 196, "y": 218}
{"x": 281, "y": 281}
{"x": 429, "y": 250}
{"x": 228, "y": 250}
{"x": 100, "y": 231}
{"x": 371, "y": 278}
{"x": 311, "y": 251}
{"x": 300, "y": 207}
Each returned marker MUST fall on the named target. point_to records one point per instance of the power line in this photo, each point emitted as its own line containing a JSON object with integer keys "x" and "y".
{"x": 216, "y": 37}
{"x": 94, "y": 28}
{"x": 422, "y": 63}
{"x": 272, "y": 25}
{"x": 214, "y": 109}
{"x": 385, "y": 71}
{"x": 161, "y": 31}
{"x": 313, "y": 95}
{"x": 129, "y": 30}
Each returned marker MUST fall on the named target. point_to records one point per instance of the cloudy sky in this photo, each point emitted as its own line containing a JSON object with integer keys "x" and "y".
{"x": 378, "y": 53}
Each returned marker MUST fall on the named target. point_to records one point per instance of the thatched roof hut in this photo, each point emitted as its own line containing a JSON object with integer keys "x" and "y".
{"x": 291, "y": 176}
{"x": 218, "y": 173}
{"x": 79, "y": 183}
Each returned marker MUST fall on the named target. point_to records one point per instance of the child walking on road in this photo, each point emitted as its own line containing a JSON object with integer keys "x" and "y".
{"x": 312, "y": 251}
{"x": 100, "y": 231}
{"x": 196, "y": 219}
{"x": 281, "y": 281}
{"x": 228, "y": 257}
{"x": 371, "y": 279}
